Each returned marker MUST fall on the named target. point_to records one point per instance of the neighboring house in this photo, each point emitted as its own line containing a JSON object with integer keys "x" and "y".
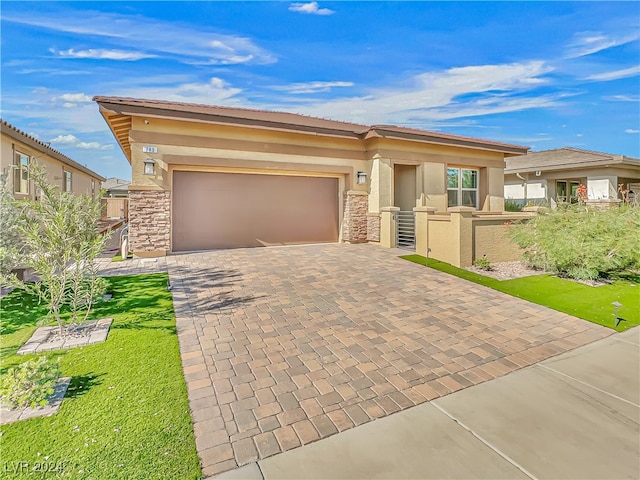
{"x": 206, "y": 177}
{"x": 553, "y": 176}
{"x": 19, "y": 150}
{"x": 116, "y": 187}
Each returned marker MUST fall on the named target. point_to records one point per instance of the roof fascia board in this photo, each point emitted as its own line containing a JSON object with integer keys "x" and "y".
{"x": 426, "y": 138}
{"x": 151, "y": 112}
{"x": 596, "y": 164}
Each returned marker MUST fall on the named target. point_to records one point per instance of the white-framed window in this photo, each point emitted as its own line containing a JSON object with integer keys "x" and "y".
{"x": 462, "y": 187}
{"x": 93, "y": 188}
{"x": 67, "y": 179}
{"x": 21, "y": 173}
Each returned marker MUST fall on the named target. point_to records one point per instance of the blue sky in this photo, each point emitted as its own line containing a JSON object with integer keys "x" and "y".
{"x": 543, "y": 74}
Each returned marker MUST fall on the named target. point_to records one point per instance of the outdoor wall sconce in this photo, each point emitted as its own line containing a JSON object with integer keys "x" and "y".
{"x": 362, "y": 178}
{"x": 149, "y": 166}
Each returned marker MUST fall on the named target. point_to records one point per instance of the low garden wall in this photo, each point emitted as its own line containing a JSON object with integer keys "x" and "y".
{"x": 462, "y": 234}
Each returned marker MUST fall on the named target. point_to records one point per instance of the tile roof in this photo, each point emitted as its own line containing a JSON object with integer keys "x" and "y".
{"x": 114, "y": 183}
{"x": 295, "y": 121}
{"x": 563, "y": 158}
{"x": 20, "y": 135}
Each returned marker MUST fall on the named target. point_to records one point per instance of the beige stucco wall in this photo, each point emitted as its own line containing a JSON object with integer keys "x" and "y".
{"x": 463, "y": 235}
{"x": 491, "y": 238}
{"x": 198, "y": 146}
{"x": 80, "y": 181}
{"x": 404, "y": 186}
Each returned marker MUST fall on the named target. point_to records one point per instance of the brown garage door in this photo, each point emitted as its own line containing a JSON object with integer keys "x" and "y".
{"x": 227, "y": 210}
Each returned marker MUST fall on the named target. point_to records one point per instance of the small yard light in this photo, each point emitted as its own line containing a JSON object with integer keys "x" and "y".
{"x": 616, "y": 306}
{"x": 362, "y": 178}
{"x": 149, "y": 166}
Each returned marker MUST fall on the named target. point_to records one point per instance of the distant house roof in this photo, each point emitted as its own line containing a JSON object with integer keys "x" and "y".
{"x": 33, "y": 142}
{"x": 565, "y": 158}
{"x": 118, "y": 111}
{"x": 114, "y": 184}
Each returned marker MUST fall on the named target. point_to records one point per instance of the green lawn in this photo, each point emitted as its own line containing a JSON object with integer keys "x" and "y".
{"x": 589, "y": 303}
{"x": 126, "y": 413}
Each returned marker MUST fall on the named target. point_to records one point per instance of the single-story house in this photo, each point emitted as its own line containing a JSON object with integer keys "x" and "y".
{"x": 115, "y": 187}
{"x": 19, "y": 150}
{"x": 553, "y": 176}
{"x": 207, "y": 177}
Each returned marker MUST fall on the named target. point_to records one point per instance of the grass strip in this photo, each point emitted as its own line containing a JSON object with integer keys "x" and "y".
{"x": 126, "y": 413}
{"x": 583, "y": 301}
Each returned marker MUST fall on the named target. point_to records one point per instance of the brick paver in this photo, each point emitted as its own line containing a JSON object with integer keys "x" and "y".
{"x": 299, "y": 343}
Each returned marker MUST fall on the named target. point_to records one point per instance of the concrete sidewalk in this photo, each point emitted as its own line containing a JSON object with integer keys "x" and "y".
{"x": 576, "y": 416}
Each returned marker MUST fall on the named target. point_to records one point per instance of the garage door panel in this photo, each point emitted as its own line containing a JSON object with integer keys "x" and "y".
{"x": 226, "y": 210}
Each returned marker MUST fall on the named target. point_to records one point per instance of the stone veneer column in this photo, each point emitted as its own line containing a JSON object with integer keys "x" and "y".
{"x": 354, "y": 223}
{"x": 149, "y": 222}
{"x": 373, "y": 227}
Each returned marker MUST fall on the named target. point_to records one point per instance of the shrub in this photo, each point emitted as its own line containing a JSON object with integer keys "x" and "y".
{"x": 29, "y": 384}
{"x": 483, "y": 263}
{"x": 581, "y": 243}
{"x": 512, "y": 206}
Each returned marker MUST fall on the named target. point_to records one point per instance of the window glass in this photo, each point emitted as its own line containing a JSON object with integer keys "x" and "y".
{"x": 462, "y": 187}
{"x": 21, "y": 173}
{"x": 469, "y": 178}
{"x": 452, "y": 198}
{"x": 561, "y": 191}
{"x": 469, "y": 198}
{"x": 67, "y": 181}
{"x": 452, "y": 177}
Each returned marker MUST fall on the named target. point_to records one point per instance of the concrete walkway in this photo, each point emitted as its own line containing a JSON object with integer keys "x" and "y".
{"x": 575, "y": 416}
{"x": 282, "y": 347}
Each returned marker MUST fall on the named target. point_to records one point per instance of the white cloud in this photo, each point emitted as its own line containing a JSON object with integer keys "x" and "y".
{"x": 311, "y": 8}
{"x": 311, "y": 87}
{"x": 74, "y": 98}
{"x": 72, "y": 140}
{"x": 454, "y": 93}
{"x": 102, "y": 54}
{"x": 152, "y": 37}
{"x": 65, "y": 139}
{"x": 615, "y": 75}
{"x": 93, "y": 146}
{"x": 587, "y": 43}
{"x": 215, "y": 91}
{"x": 622, "y": 98}
{"x": 631, "y": 130}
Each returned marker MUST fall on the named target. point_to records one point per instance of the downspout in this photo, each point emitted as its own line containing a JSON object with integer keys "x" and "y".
{"x": 524, "y": 184}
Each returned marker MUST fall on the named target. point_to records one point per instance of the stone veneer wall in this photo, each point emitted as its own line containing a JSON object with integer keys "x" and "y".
{"x": 354, "y": 225}
{"x": 149, "y": 221}
{"x": 373, "y": 227}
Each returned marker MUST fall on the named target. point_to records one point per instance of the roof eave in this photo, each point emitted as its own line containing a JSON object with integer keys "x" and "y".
{"x": 508, "y": 150}
{"x": 220, "y": 119}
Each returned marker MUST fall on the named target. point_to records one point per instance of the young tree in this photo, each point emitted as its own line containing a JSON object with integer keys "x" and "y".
{"x": 62, "y": 237}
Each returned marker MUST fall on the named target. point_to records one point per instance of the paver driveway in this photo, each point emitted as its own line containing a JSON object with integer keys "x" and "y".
{"x": 284, "y": 346}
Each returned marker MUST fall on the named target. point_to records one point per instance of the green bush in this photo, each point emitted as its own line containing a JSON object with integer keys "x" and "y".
{"x": 512, "y": 206}
{"x": 483, "y": 263}
{"x": 581, "y": 243}
{"x": 29, "y": 384}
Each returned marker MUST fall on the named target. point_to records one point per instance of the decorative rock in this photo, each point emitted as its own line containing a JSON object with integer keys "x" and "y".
{"x": 44, "y": 338}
